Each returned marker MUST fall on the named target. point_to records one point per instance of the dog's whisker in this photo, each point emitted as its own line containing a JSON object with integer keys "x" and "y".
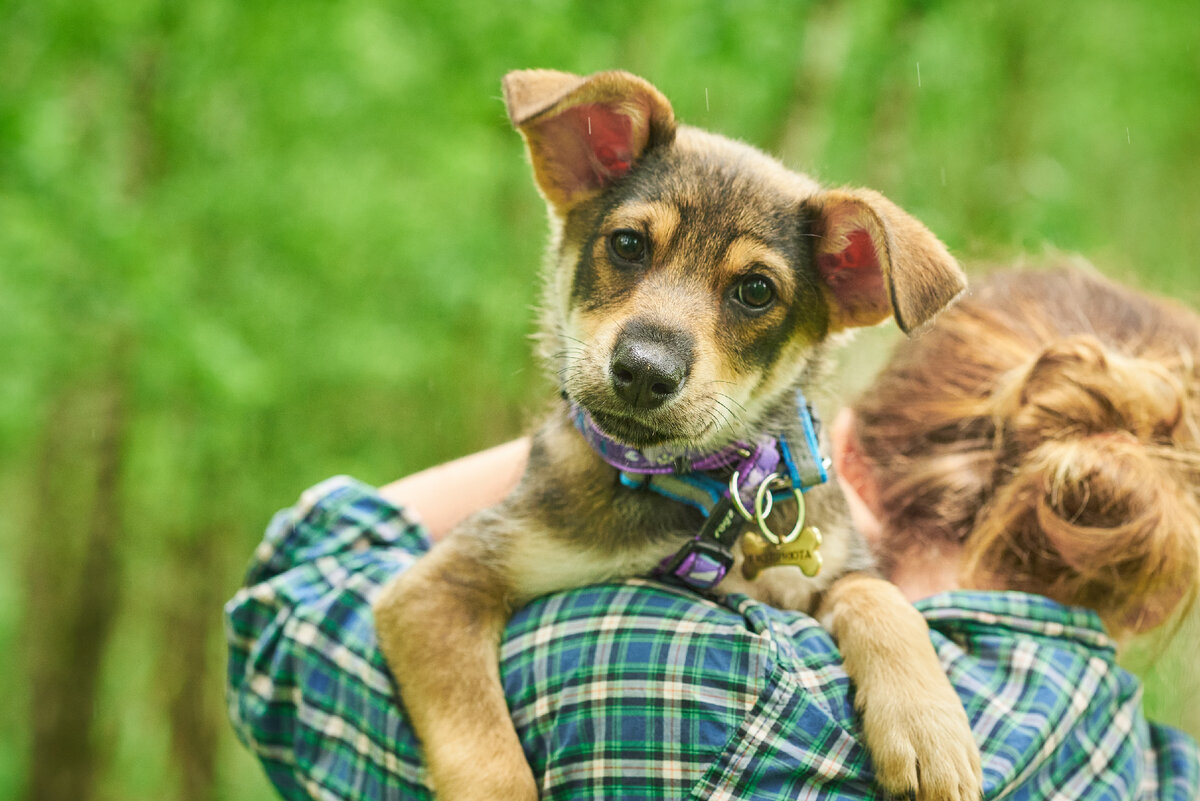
{"x": 716, "y": 419}
{"x": 730, "y": 422}
{"x": 564, "y": 335}
{"x": 724, "y": 414}
{"x": 725, "y": 400}
{"x": 717, "y": 399}
{"x": 732, "y": 400}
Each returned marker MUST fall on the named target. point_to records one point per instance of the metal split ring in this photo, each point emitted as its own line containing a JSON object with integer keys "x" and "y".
{"x": 764, "y": 502}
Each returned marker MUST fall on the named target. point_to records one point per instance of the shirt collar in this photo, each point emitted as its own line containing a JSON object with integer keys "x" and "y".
{"x": 1016, "y": 611}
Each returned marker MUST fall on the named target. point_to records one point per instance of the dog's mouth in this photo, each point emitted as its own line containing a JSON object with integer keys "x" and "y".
{"x": 629, "y": 431}
{"x": 641, "y": 435}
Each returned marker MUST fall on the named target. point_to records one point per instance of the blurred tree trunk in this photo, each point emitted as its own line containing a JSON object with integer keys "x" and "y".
{"x": 185, "y": 660}
{"x": 73, "y": 581}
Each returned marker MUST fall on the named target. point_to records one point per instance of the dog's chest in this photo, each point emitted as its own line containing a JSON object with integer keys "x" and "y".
{"x": 542, "y": 562}
{"x": 588, "y": 528}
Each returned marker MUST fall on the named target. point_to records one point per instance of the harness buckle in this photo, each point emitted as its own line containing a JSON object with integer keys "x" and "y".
{"x": 700, "y": 564}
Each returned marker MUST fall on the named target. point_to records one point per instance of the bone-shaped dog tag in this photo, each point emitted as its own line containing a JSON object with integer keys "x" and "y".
{"x": 803, "y": 552}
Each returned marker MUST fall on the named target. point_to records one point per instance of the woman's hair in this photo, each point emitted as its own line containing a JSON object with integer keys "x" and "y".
{"x": 1048, "y": 424}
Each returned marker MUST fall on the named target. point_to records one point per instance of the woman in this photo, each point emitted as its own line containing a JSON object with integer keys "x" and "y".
{"x": 1027, "y": 470}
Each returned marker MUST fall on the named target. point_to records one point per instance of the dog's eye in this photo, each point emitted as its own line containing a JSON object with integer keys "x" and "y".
{"x": 627, "y": 245}
{"x": 755, "y": 291}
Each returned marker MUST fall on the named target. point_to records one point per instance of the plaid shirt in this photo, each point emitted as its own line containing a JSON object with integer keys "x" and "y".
{"x": 636, "y": 690}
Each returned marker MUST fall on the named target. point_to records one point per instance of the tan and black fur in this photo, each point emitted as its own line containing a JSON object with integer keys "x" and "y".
{"x": 673, "y": 347}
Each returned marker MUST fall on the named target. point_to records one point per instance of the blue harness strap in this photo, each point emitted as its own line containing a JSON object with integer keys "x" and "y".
{"x": 811, "y": 468}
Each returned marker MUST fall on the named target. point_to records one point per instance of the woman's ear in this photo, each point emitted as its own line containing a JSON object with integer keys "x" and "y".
{"x": 856, "y": 477}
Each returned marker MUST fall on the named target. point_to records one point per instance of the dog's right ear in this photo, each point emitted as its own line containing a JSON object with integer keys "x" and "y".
{"x": 585, "y": 132}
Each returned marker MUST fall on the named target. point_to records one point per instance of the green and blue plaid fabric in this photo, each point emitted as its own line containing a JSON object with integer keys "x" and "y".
{"x": 636, "y": 690}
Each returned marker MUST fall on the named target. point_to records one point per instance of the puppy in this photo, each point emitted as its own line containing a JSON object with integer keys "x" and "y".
{"x": 693, "y": 285}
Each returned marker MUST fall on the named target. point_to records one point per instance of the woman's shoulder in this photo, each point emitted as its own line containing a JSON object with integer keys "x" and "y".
{"x": 736, "y": 698}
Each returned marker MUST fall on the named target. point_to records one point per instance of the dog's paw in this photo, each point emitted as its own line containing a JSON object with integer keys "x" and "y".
{"x": 923, "y": 751}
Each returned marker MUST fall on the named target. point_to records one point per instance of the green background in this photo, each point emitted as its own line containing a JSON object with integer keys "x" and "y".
{"x": 248, "y": 245}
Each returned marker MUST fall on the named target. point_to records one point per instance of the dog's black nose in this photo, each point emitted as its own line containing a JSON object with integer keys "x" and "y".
{"x": 649, "y": 364}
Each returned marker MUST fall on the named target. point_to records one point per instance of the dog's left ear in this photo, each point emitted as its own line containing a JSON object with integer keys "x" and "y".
{"x": 585, "y": 132}
{"x": 878, "y": 262}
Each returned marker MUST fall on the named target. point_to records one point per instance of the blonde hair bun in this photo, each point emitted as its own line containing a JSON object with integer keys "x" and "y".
{"x": 1076, "y": 387}
{"x": 1093, "y": 505}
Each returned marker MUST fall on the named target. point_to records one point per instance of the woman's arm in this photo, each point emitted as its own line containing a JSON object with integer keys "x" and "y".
{"x": 446, "y": 494}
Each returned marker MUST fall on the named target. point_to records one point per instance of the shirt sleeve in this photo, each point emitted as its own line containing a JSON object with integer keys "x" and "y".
{"x": 308, "y": 691}
{"x": 1175, "y": 772}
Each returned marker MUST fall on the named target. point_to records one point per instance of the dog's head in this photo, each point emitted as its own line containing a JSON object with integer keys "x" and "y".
{"x": 692, "y": 277}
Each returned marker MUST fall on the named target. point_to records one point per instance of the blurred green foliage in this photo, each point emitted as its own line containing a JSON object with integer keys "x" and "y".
{"x": 244, "y": 246}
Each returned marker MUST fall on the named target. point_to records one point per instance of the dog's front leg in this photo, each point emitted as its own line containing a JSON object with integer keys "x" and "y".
{"x": 439, "y": 625}
{"x": 914, "y": 724}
